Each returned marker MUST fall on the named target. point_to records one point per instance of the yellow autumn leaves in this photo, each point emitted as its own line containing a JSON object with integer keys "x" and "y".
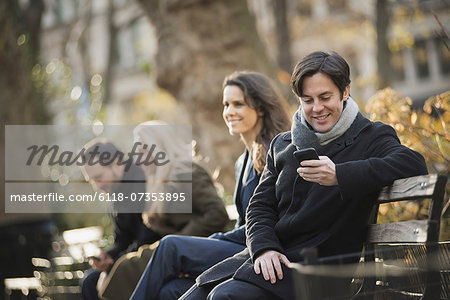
{"x": 424, "y": 130}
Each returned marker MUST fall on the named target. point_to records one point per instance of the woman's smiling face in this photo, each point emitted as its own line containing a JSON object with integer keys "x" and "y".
{"x": 321, "y": 102}
{"x": 239, "y": 117}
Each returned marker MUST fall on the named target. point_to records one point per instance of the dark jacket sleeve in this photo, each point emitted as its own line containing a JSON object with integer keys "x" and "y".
{"x": 206, "y": 204}
{"x": 387, "y": 161}
{"x": 262, "y": 214}
{"x": 124, "y": 235}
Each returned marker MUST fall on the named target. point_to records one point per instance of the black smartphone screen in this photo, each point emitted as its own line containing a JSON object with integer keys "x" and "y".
{"x": 305, "y": 154}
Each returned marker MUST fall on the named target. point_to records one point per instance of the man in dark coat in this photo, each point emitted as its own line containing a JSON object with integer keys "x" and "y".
{"x": 322, "y": 203}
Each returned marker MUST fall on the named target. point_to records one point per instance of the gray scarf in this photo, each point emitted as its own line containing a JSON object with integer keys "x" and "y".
{"x": 303, "y": 136}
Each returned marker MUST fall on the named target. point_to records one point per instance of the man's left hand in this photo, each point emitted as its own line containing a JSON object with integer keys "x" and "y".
{"x": 321, "y": 171}
{"x": 269, "y": 264}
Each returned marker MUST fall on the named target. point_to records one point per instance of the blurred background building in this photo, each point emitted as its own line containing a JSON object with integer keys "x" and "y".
{"x": 417, "y": 56}
{"x": 113, "y": 44}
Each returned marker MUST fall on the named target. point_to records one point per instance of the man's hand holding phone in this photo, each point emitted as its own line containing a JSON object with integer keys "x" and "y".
{"x": 314, "y": 168}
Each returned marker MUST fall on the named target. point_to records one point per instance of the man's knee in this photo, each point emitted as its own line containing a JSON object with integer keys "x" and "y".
{"x": 221, "y": 292}
{"x": 196, "y": 292}
{"x": 236, "y": 289}
{"x": 175, "y": 288}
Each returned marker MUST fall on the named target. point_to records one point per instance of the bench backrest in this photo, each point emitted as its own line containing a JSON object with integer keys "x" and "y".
{"x": 416, "y": 238}
{"x": 418, "y": 231}
{"x": 425, "y": 232}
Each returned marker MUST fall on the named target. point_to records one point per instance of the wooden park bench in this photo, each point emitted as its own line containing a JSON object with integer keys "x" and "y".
{"x": 401, "y": 260}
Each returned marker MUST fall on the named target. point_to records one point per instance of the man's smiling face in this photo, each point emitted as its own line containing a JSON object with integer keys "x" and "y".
{"x": 321, "y": 102}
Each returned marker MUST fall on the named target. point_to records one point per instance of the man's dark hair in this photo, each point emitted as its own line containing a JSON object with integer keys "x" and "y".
{"x": 331, "y": 64}
{"x": 97, "y": 146}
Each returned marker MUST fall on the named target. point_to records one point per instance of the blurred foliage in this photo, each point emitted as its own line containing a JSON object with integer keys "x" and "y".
{"x": 152, "y": 105}
{"x": 53, "y": 79}
{"x": 69, "y": 104}
{"x": 72, "y": 105}
{"x": 404, "y": 14}
{"x": 424, "y": 130}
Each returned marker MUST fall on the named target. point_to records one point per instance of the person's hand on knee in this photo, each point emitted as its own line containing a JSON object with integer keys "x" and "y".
{"x": 269, "y": 263}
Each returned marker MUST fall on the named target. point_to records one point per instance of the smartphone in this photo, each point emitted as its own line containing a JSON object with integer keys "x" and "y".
{"x": 305, "y": 154}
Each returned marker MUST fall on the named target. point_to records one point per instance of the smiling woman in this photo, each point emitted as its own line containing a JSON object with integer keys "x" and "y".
{"x": 254, "y": 110}
{"x": 239, "y": 117}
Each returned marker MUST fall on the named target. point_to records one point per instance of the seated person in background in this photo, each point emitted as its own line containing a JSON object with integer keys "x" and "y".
{"x": 323, "y": 204}
{"x": 129, "y": 229}
{"x": 208, "y": 210}
{"x": 253, "y": 109}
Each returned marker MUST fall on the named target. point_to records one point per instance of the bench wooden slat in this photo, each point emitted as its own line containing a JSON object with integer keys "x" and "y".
{"x": 398, "y": 232}
{"x": 409, "y": 188}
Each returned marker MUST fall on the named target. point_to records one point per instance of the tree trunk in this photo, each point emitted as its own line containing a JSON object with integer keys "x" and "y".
{"x": 20, "y": 103}
{"x": 200, "y": 42}
{"x": 383, "y": 54}
{"x": 282, "y": 34}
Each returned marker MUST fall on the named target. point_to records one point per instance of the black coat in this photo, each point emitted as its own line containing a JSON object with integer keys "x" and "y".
{"x": 287, "y": 213}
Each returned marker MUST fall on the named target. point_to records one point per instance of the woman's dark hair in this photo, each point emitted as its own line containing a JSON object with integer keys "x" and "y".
{"x": 261, "y": 95}
{"x": 331, "y": 64}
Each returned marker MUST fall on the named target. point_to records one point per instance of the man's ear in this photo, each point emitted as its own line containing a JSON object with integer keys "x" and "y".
{"x": 346, "y": 93}
{"x": 260, "y": 113}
